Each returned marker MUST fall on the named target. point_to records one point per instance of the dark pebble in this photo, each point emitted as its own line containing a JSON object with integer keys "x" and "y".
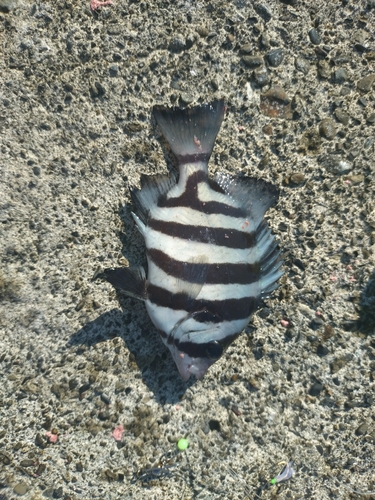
{"x": 321, "y": 350}
{"x": 342, "y": 116}
{"x": 58, "y": 492}
{"x": 371, "y": 118}
{"x": 261, "y": 77}
{"x": 84, "y": 388}
{"x": 113, "y": 70}
{"x": 362, "y": 101}
{"x": 315, "y": 38}
{"x": 36, "y": 170}
{"x": 362, "y": 430}
{"x": 253, "y": 61}
{"x": 275, "y": 57}
{"x": 263, "y": 11}
{"x": 315, "y": 389}
{"x": 340, "y": 75}
{"x": 365, "y": 84}
{"x": 177, "y": 44}
{"x": 105, "y": 399}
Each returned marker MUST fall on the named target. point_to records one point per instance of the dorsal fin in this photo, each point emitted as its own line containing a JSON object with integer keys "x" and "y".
{"x": 255, "y": 195}
{"x": 152, "y": 188}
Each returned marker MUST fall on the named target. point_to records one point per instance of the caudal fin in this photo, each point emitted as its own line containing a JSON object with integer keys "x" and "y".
{"x": 191, "y": 133}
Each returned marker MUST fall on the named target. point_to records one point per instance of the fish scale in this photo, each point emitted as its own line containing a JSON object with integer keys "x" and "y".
{"x": 211, "y": 257}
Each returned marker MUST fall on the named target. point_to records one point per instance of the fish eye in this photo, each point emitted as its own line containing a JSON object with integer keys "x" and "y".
{"x": 214, "y": 350}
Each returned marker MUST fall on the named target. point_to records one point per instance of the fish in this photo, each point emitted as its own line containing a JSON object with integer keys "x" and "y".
{"x": 211, "y": 257}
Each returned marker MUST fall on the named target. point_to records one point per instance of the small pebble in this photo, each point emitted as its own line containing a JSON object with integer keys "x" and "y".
{"x": 253, "y": 61}
{"x": 177, "y": 44}
{"x": 340, "y": 75}
{"x": 324, "y": 69}
{"x": 365, "y": 84}
{"x": 275, "y": 57}
{"x": 362, "y": 430}
{"x": 371, "y": 118}
{"x": 302, "y": 65}
{"x": 315, "y": 37}
{"x": 261, "y": 77}
{"x": 187, "y": 98}
{"x": 297, "y": 178}
{"x": 315, "y": 389}
{"x": 327, "y": 129}
{"x": 263, "y": 11}
{"x": 113, "y": 70}
{"x": 275, "y": 103}
{"x": 268, "y": 129}
{"x": 246, "y": 49}
{"x": 21, "y": 489}
{"x": 342, "y": 116}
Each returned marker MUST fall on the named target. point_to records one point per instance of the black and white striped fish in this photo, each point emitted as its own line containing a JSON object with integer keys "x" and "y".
{"x": 211, "y": 257}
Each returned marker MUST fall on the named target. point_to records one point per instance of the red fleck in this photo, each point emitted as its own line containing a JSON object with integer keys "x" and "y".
{"x": 95, "y": 4}
{"x": 349, "y": 268}
{"x": 236, "y": 410}
{"x": 178, "y": 407}
{"x": 118, "y": 432}
{"x": 333, "y": 278}
{"x": 318, "y": 313}
{"x": 226, "y": 236}
{"x": 247, "y": 222}
{"x": 284, "y": 323}
{"x": 197, "y": 142}
{"x": 52, "y": 438}
{"x": 240, "y": 127}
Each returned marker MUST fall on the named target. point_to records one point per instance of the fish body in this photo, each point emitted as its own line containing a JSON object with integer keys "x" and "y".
{"x": 211, "y": 257}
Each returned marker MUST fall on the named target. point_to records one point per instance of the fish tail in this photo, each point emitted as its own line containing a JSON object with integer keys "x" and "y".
{"x": 191, "y": 133}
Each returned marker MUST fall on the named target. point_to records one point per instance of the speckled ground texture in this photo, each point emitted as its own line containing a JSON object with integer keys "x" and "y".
{"x": 78, "y": 361}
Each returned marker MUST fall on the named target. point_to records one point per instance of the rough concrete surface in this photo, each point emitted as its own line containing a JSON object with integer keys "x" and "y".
{"x": 77, "y": 361}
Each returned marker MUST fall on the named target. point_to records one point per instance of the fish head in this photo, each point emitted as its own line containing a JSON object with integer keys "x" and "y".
{"x": 193, "y": 357}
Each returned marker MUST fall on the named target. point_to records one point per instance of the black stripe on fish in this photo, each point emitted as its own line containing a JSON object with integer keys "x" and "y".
{"x": 221, "y": 310}
{"x": 189, "y": 198}
{"x": 196, "y": 350}
{"x": 242, "y": 273}
{"x": 200, "y": 350}
{"x": 220, "y": 236}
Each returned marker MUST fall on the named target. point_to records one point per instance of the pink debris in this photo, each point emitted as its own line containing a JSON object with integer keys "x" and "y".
{"x": 52, "y": 438}
{"x": 284, "y": 323}
{"x": 95, "y": 4}
{"x": 118, "y": 432}
{"x": 318, "y": 313}
{"x": 333, "y": 278}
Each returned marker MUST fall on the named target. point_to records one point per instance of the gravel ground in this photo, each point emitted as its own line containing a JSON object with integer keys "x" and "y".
{"x": 78, "y": 362}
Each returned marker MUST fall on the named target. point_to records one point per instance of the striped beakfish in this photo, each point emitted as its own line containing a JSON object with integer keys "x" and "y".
{"x": 211, "y": 257}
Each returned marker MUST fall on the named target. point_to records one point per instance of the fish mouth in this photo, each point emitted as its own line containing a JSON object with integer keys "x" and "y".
{"x": 188, "y": 366}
